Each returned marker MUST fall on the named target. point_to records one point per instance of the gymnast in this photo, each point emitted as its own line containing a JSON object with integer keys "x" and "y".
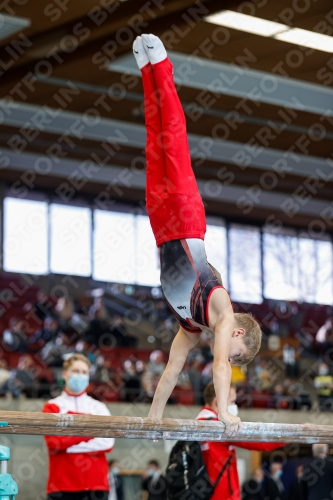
{"x": 192, "y": 287}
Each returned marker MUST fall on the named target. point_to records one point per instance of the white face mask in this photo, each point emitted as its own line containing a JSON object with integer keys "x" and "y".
{"x": 233, "y": 410}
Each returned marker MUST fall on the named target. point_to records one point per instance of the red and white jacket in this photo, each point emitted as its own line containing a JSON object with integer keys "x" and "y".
{"x": 216, "y": 454}
{"x": 77, "y": 463}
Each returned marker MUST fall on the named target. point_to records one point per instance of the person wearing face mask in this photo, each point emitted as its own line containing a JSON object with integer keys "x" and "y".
{"x": 324, "y": 385}
{"x": 154, "y": 484}
{"x": 116, "y": 481}
{"x": 274, "y": 486}
{"x": 216, "y": 454}
{"x": 78, "y": 469}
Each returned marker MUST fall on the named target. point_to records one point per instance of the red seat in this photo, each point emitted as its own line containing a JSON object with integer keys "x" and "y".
{"x": 184, "y": 396}
{"x": 260, "y": 399}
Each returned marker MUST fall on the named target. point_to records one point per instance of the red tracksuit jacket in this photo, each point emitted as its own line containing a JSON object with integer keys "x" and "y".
{"x": 77, "y": 463}
{"x": 215, "y": 455}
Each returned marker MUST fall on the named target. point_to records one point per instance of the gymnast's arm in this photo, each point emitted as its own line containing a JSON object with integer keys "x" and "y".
{"x": 181, "y": 346}
{"x": 221, "y": 321}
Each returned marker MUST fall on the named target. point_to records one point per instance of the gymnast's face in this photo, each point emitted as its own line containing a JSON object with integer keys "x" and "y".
{"x": 237, "y": 347}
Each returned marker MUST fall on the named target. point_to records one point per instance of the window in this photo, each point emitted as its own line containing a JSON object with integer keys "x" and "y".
{"x": 280, "y": 265}
{"x": 70, "y": 240}
{"x": 25, "y": 236}
{"x": 114, "y": 247}
{"x": 245, "y": 263}
{"x": 39, "y": 238}
{"x": 146, "y": 258}
{"x": 216, "y": 249}
{"x": 316, "y": 271}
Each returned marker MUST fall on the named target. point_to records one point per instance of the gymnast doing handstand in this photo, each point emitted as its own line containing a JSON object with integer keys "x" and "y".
{"x": 191, "y": 286}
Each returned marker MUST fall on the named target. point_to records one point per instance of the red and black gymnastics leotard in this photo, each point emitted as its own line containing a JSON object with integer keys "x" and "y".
{"x": 187, "y": 281}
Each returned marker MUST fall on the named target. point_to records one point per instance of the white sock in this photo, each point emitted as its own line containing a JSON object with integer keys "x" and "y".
{"x": 139, "y": 52}
{"x": 154, "y": 48}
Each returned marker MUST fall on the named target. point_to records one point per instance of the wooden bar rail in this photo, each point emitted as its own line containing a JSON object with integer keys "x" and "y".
{"x": 55, "y": 424}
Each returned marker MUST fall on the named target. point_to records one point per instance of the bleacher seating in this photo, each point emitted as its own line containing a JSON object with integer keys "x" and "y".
{"x": 16, "y": 291}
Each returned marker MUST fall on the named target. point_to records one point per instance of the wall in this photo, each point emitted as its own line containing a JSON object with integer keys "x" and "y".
{"x": 29, "y": 461}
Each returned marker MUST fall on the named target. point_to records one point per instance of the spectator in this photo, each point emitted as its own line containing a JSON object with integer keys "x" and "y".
{"x": 154, "y": 372}
{"x": 274, "y": 486}
{"x": 41, "y": 308}
{"x": 8, "y": 382}
{"x": 238, "y": 374}
{"x": 297, "y": 394}
{"x": 110, "y": 382}
{"x": 15, "y": 337}
{"x": 205, "y": 347}
{"x": 194, "y": 375}
{"x": 65, "y": 308}
{"x": 298, "y": 490}
{"x": 154, "y": 484}
{"x": 156, "y": 364}
{"x": 54, "y": 351}
{"x": 102, "y": 372}
{"x": 68, "y": 478}
{"x": 324, "y": 385}
{"x": 65, "y": 311}
{"x": 289, "y": 359}
{"x": 98, "y": 331}
{"x": 87, "y": 349}
{"x": 264, "y": 379}
{"x": 5, "y": 374}
{"x": 253, "y": 488}
{"x": 25, "y": 375}
{"x": 49, "y": 331}
{"x": 217, "y": 454}
{"x": 132, "y": 383}
{"x": 141, "y": 371}
{"x": 140, "y": 368}
{"x": 99, "y": 303}
{"x": 119, "y": 333}
{"x": 146, "y": 381}
{"x": 318, "y": 476}
{"x": 79, "y": 321}
{"x": 207, "y": 375}
{"x": 280, "y": 399}
{"x": 324, "y": 334}
{"x": 116, "y": 481}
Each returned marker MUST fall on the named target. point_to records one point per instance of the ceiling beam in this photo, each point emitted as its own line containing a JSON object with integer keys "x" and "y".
{"x": 73, "y": 124}
{"x": 97, "y": 35}
{"x": 192, "y": 107}
{"x": 74, "y": 172}
{"x": 231, "y": 79}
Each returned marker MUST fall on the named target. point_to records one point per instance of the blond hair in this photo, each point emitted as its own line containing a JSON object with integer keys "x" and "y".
{"x": 76, "y": 357}
{"x": 252, "y": 337}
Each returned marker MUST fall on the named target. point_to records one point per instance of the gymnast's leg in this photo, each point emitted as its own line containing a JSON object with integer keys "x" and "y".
{"x": 175, "y": 141}
{"x": 156, "y": 172}
{"x": 182, "y": 189}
